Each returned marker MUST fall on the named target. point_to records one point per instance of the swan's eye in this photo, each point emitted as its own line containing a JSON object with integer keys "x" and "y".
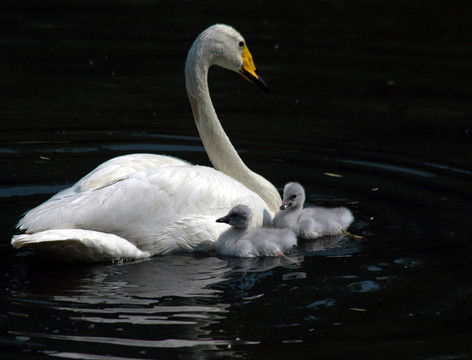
{"x": 294, "y": 196}
{"x": 241, "y": 43}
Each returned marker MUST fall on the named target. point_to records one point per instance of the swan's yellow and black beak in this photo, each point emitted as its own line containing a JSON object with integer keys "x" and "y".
{"x": 249, "y": 72}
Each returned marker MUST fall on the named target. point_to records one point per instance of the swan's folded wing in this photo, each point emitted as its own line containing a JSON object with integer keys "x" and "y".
{"x": 159, "y": 210}
{"x": 119, "y": 168}
{"x": 79, "y": 245}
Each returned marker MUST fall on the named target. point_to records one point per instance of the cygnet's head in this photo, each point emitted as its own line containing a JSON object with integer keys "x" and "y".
{"x": 240, "y": 217}
{"x": 222, "y": 45}
{"x": 294, "y": 196}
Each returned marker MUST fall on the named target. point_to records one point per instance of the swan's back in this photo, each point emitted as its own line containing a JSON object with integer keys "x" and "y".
{"x": 158, "y": 210}
{"x": 119, "y": 168}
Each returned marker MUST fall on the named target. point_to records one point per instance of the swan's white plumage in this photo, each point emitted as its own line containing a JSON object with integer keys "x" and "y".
{"x": 160, "y": 210}
{"x": 80, "y": 245}
{"x": 118, "y": 168}
{"x": 157, "y": 203}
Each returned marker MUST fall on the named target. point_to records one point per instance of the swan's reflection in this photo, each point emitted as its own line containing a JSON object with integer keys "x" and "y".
{"x": 181, "y": 300}
{"x": 164, "y": 302}
{"x": 139, "y": 282}
{"x": 330, "y": 246}
{"x": 262, "y": 264}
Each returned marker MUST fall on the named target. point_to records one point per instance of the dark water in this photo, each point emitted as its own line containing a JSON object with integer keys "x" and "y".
{"x": 369, "y": 108}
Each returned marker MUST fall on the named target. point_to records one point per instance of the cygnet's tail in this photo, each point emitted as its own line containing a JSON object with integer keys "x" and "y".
{"x": 79, "y": 245}
{"x": 345, "y": 217}
{"x": 320, "y": 221}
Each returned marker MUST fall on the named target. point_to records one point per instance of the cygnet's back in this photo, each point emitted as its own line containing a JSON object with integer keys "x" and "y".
{"x": 239, "y": 241}
{"x": 309, "y": 223}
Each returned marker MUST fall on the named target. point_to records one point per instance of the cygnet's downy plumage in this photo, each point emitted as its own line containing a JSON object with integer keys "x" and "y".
{"x": 241, "y": 241}
{"x": 309, "y": 223}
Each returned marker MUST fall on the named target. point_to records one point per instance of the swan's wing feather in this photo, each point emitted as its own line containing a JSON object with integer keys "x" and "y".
{"x": 118, "y": 168}
{"x": 159, "y": 210}
{"x": 80, "y": 245}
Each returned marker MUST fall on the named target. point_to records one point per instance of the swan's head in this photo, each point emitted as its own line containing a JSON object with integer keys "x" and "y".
{"x": 222, "y": 45}
{"x": 294, "y": 196}
{"x": 240, "y": 217}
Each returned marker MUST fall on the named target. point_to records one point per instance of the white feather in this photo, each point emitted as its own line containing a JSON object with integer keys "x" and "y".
{"x": 118, "y": 168}
{"x": 157, "y": 203}
{"x": 313, "y": 222}
{"x": 159, "y": 210}
{"x": 80, "y": 245}
{"x": 242, "y": 241}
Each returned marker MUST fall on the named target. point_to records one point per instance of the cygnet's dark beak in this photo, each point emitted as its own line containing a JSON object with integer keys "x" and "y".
{"x": 285, "y": 204}
{"x": 223, "y": 219}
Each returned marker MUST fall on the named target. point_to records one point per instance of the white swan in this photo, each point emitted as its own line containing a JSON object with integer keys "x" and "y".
{"x": 242, "y": 242}
{"x": 309, "y": 223}
{"x": 160, "y": 204}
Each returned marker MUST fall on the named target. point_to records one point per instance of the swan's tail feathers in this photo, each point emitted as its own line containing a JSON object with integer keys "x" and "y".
{"x": 79, "y": 245}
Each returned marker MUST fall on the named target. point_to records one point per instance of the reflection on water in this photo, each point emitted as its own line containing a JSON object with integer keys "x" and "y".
{"x": 185, "y": 294}
{"x": 340, "y": 246}
{"x": 170, "y": 292}
{"x": 393, "y": 168}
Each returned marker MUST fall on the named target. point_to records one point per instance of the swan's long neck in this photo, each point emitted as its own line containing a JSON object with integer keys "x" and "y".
{"x": 221, "y": 152}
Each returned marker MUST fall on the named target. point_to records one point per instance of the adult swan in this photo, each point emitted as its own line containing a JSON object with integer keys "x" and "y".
{"x": 140, "y": 205}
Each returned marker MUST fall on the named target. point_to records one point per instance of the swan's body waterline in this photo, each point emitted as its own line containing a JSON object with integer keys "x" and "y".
{"x": 157, "y": 203}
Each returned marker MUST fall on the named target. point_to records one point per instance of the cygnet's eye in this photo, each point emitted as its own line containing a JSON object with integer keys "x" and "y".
{"x": 241, "y": 43}
{"x": 294, "y": 196}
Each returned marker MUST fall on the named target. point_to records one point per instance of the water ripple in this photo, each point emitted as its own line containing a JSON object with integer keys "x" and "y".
{"x": 363, "y": 286}
{"x": 394, "y": 168}
{"x": 166, "y": 343}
